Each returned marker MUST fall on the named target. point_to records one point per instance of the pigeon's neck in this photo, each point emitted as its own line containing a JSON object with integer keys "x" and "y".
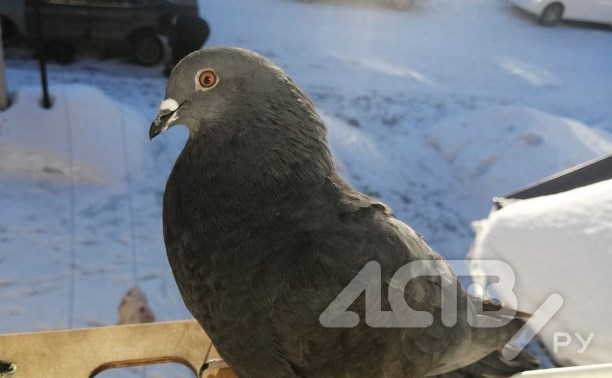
{"x": 251, "y": 169}
{"x": 257, "y": 155}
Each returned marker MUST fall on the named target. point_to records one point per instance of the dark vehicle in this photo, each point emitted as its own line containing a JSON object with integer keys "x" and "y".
{"x": 130, "y": 25}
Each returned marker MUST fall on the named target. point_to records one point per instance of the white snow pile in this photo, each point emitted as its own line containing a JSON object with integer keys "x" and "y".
{"x": 105, "y": 136}
{"x": 351, "y": 146}
{"x": 558, "y": 244}
{"x": 496, "y": 150}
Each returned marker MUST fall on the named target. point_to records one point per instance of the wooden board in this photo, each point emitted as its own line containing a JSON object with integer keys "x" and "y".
{"x": 87, "y": 352}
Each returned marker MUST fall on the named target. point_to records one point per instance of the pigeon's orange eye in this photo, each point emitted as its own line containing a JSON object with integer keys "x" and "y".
{"x": 207, "y": 79}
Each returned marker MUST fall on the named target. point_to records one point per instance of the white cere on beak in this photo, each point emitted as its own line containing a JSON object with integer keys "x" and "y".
{"x": 169, "y": 104}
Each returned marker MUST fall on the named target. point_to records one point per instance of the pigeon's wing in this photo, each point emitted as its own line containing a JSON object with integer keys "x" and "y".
{"x": 333, "y": 252}
{"x": 441, "y": 346}
{"x": 364, "y": 231}
{"x": 401, "y": 252}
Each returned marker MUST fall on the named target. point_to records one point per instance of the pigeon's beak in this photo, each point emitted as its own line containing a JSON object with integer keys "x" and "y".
{"x": 165, "y": 118}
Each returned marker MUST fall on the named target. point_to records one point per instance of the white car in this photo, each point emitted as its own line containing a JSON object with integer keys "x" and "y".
{"x": 549, "y": 12}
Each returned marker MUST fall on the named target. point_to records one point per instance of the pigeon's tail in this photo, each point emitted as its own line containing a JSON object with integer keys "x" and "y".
{"x": 495, "y": 365}
{"x": 496, "y": 338}
{"x": 491, "y": 328}
{"x": 493, "y": 325}
{"x": 488, "y": 305}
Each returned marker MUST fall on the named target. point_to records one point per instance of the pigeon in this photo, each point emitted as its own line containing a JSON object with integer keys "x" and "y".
{"x": 263, "y": 235}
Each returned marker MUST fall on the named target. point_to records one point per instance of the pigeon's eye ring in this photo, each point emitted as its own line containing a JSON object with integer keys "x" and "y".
{"x": 207, "y": 79}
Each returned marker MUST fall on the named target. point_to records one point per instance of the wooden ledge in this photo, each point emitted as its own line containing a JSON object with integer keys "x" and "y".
{"x": 87, "y": 352}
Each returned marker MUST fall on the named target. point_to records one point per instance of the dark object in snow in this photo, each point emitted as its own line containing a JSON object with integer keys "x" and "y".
{"x": 581, "y": 175}
{"x": 189, "y": 33}
{"x": 42, "y": 64}
{"x": 262, "y": 235}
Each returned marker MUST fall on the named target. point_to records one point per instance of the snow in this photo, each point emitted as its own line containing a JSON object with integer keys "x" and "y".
{"x": 484, "y": 149}
{"x": 112, "y": 172}
{"x": 558, "y": 244}
{"x": 35, "y": 142}
{"x": 434, "y": 111}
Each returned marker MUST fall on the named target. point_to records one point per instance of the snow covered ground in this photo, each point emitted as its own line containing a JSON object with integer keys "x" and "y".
{"x": 434, "y": 111}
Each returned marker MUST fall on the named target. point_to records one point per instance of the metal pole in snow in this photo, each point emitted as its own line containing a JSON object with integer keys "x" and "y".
{"x": 4, "y": 100}
{"x": 40, "y": 50}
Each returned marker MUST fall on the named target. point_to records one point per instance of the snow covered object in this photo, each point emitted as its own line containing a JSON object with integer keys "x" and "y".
{"x": 560, "y": 243}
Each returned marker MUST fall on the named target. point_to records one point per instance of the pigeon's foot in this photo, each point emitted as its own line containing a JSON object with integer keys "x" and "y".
{"x": 216, "y": 368}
